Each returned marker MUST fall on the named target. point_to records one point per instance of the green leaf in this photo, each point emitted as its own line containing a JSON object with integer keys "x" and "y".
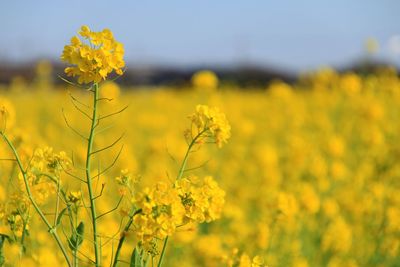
{"x": 80, "y": 229}
{"x": 60, "y": 215}
{"x": 76, "y": 239}
{"x": 136, "y": 259}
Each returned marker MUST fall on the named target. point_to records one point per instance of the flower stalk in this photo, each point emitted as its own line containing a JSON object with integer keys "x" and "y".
{"x": 51, "y": 229}
{"x": 88, "y": 176}
{"x": 180, "y": 174}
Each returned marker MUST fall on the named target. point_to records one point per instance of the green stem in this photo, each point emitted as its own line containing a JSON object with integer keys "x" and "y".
{"x": 74, "y": 225}
{"x": 25, "y": 224}
{"x": 123, "y": 236}
{"x": 185, "y": 159}
{"x": 75, "y": 258}
{"x": 163, "y": 252}
{"x": 88, "y": 176}
{"x": 52, "y": 230}
{"x": 180, "y": 174}
{"x": 183, "y": 166}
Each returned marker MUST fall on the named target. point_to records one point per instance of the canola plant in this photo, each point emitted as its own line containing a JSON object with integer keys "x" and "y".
{"x": 288, "y": 175}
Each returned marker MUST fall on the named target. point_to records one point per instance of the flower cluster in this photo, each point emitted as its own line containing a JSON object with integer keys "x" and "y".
{"x": 7, "y": 114}
{"x": 94, "y": 59}
{"x": 126, "y": 182}
{"x": 338, "y": 236}
{"x": 164, "y": 208}
{"x": 74, "y": 196}
{"x": 44, "y": 171}
{"x": 203, "y": 201}
{"x": 14, "y": 215}
{"x": 242, "y": 260}
{"x": 209, "y": 125}
{"x": 160, "y": 212}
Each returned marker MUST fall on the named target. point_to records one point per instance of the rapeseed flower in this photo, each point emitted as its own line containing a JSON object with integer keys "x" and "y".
{"x": 94, "y": 57}
{"x": 203, "y": 201}
{"x": 205, "y": 80}
{"x": 209, "y": 125}
{"x": 161, "y": 212}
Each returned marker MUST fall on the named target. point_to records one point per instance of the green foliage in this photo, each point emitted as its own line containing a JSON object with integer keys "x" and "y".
{"x": 75, "y": 241}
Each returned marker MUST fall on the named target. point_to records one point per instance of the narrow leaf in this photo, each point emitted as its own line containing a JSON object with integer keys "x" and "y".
{"x": 60, "y": 215}
{"x": 136, "y": 260}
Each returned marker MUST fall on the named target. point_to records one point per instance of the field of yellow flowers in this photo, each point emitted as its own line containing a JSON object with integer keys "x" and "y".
{"x": 310, "y": 175}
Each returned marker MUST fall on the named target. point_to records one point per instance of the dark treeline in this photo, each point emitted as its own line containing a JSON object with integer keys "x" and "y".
{"x": 242, "y": 76}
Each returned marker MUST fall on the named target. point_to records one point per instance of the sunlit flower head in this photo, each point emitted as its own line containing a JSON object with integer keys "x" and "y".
{"x": 209, "y": 125}
{"x": 93, "y": 55}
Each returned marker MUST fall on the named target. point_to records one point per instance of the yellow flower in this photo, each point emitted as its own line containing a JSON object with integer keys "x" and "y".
{"x": 124, "y": 178}
{"x": 94, "y": 58}
{"x": 393, "y": 219}
{"x": 337, "y": 237}
{"x": 74, "y": 196}
{"x": 7, "y": 114}
{"x": 309, "y": 198}
{"x": 110, "y": 90}
{"x": 245, "y": 261}
{"x": 287, "y": 204}
{"x": 202, "y": 201}
{"x": 205, "y": 79}
{"x": 209, "y": 125}
{"x": 161, "y": 212}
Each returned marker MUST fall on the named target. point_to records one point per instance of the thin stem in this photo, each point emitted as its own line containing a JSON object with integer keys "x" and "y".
{"x": 163, "y": 252}
{"x": 185, "y": 159}
{"x": 123, "y": 236}
{"x": 52, "y": 230}
{"x": 24, "y": 226}
{"x": 88, "y": 178}
{"x": 180, "y": 174}
{"x": 57, "y": 203}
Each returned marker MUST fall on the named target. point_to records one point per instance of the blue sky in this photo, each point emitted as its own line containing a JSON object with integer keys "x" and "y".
{"x": 296, "y": 35}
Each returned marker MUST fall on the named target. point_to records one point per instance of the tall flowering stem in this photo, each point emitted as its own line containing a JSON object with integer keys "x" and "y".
{"x": 88, "y": 176}
{"x": 180, "y": 174}
{"x": 158, "y": 211}
{"x": 51, "y": 229}
{"x": 209, "y": 125}
{"x": 92, "y": 57}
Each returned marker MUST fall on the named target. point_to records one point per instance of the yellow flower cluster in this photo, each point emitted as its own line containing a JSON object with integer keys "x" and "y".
{"x": 205, "y": 80}
{"x": 7, "y": 114}
{"x": 242, "y": 260}
{"x": 203, "y": 201}
{"x": 245, "y": 261}
{"x": 209, "y": 125}
{"x": 74, "y": 196}
{"x": 287, "y": 205}
{"x": 161, "y": 212}
{"x": 14, "y": 215}
{"x": 124, "y": 179}
{"x": 303, "y": 188}
{"x": 338, "y": 236}
{"x": 94, "y": 59}
{"x": 164, "y": 208}
{"x": 44, "y": 172}
{"x": 126, "y": 182}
